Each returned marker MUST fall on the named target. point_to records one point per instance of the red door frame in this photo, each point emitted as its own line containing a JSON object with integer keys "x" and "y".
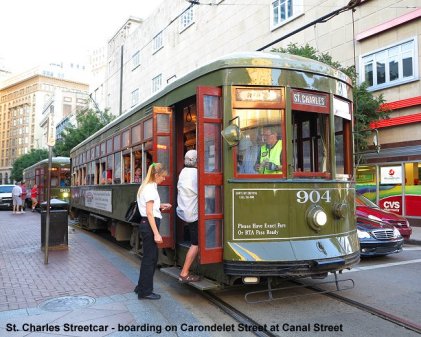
{"x": 208, "y": 255}
{"x": 168, "y": 241}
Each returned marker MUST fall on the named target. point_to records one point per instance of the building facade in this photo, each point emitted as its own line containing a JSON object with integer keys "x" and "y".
{"x": 26, "y": 102}
{"x": 380, "y": 38}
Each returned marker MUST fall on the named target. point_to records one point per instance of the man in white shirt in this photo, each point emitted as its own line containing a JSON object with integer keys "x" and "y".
{"x": 187, "y": 210}
{"x": 17, "y": 200}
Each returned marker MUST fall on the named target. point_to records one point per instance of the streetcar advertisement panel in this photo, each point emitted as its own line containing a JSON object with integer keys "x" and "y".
{"x": 99, "y": 200}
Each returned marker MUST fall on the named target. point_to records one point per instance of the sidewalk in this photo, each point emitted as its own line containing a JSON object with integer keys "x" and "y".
{"x": 415, "y": 238}
{"x": 86, "y": 290}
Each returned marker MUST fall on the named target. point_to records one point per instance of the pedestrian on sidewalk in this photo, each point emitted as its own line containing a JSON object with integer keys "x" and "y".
{"x": 34, "y": 197}
{"x": 187, "y": 211}
{"x": 150, "y": 208}
{"x": 17, "y": 201}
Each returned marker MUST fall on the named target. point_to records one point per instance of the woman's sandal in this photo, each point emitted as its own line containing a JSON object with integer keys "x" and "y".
{"x": 189, "y": 278}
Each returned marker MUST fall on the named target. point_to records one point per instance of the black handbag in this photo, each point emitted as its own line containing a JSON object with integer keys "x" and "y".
{"x": 133, "y": 214}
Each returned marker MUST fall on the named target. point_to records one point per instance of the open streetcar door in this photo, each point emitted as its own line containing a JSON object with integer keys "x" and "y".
{"x": 210, "y": 179}
{"x": 163, "y": 153}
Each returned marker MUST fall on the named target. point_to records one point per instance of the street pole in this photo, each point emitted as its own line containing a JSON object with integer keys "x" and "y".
{"x": 47, "y": 213}
{"x": 51, "y": 141}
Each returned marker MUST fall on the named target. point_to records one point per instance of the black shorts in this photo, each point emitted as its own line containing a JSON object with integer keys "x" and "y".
{"x": 193, "y": 233}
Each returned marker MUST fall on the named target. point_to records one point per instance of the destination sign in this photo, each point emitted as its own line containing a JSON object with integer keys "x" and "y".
{"x": 308, "y": 101}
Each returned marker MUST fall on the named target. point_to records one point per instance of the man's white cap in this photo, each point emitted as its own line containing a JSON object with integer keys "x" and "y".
{"x": 190, "y": 158}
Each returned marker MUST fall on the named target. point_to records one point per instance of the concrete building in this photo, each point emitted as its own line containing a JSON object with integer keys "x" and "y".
{"x": 26, "y": 101}
{"x": 381, "y": 38}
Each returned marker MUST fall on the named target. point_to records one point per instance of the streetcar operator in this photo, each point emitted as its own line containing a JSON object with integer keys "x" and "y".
{"x": 269, "y": 157}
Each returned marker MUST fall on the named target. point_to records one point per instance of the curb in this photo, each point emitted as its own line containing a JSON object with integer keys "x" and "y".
{"x": 413, "y": 242}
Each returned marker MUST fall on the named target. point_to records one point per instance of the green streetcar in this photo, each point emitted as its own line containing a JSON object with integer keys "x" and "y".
{"x": 60, "y": 178}
{"x": 289, "y": 213}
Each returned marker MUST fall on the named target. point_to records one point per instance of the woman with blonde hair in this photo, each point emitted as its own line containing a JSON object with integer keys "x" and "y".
{"x": 150, "y": 208}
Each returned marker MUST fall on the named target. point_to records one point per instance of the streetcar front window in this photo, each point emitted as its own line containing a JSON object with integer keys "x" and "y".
{"x": 65, "y": 177}
{"x": 260, "y": 150}
{"x": 311, "y": 144}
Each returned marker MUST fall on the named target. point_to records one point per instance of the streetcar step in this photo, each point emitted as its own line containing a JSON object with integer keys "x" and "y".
{"x": 203, "y": 284}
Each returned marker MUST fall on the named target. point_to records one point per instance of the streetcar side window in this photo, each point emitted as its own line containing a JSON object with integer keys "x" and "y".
{"x": 103, "y": 172}
{"x": 137, "y": 165}
{"x": 127, "y": 169}
{"x": 97, "y": 172}
{"x": 343, "y": 138}
{"x": 117, "y": 168}
{"x": 110, "y": 164}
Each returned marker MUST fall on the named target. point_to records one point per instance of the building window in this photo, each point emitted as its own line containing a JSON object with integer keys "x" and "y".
{"x": 186, "y": 19}
{"x": 390, "y": 66}
{"x": 135, "y": 97}
{"x": 156, "y": 83}
{"x": 136, "y": 60}
{"x": 157, "y": 42}
{"x": 284, "y": 11}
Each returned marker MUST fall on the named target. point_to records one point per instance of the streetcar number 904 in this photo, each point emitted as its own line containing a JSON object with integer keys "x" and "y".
{"x": 312, "y": 196}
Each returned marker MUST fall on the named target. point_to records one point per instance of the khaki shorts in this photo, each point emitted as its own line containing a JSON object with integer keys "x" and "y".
{"x": 17, "y": 201}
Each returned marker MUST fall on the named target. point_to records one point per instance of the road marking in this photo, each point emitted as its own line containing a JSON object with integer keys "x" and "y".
{"x": 384, "y": 265}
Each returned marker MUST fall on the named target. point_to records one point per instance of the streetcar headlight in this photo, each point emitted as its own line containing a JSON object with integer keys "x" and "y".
{"x": 316, "y": 217}
{"x": 320, "y": 218}
{"x": 65, "y": 194}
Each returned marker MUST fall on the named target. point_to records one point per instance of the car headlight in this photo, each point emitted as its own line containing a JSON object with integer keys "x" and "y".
{"x": 396, "y": 233}
{"x": 362, "y": 234}
{"x": 375, "y": 218}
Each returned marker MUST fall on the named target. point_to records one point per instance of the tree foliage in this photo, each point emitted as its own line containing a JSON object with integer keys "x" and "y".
{"x": 367, "y": 107}
{"x": 29, "y": 159}
{"x": 88, "y": 122}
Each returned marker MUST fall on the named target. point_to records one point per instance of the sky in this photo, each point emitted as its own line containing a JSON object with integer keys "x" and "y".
{"x": 40, "y": 31}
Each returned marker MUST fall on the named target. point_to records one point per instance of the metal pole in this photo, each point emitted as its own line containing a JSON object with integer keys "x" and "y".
{"x": 120, "y": 109}
{"x": 47, "y": 214}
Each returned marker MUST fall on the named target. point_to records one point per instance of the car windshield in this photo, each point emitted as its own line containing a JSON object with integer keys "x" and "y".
{"x": 363, "y": 201}
{"x": 6, "y": 189}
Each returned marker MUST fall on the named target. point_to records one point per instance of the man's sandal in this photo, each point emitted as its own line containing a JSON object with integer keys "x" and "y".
{"x": 189, "y": 278}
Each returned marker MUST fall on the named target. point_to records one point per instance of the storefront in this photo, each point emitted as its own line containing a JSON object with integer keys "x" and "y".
{"x": 393, "y": 186}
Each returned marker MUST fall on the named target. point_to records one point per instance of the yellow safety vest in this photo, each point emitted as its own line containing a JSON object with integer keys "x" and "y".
{"x": 272, "y": 155}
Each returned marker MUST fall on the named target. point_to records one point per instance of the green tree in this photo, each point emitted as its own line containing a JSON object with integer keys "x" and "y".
{"x": 367, "y": 107}
{"x": 29, "y": 159}
{"x": 88, "y": 122}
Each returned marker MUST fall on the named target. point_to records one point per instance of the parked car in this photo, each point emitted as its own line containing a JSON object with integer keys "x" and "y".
{"x": 368, "y": 209}
{"x": 6, "y": 200}
{"x": 378, "y": 238}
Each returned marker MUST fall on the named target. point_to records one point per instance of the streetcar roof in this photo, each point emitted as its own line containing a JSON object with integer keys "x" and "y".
{"x": 234, "y": 60}
{"x": 54, "y": 160}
